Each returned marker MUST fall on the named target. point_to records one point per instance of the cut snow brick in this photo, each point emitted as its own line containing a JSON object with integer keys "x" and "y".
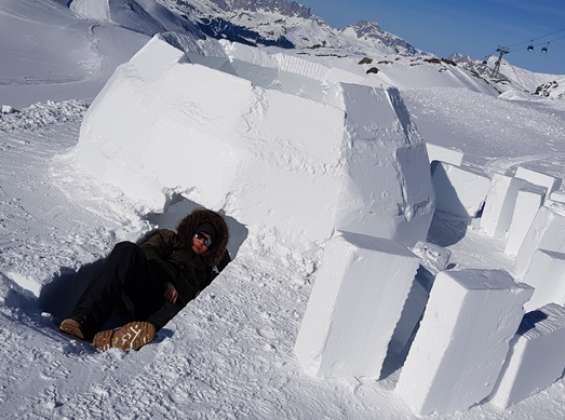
{"x": 557, "y": 196}
{"x": 547, "y": 275}
{"x": 536, "y": 357}
{"x": 459, "y": 191}
{"x": 500, "y": 203}
{"x": 355, "y": 305}
{"x": 527, "y": 205}
{"x": 434, "y": 257}
{"x": 462, "y": 341}
{"x": 155, "y": 57}
{"x": 387, "y": 190}
{"x": 444, "y": 154}
{"x": 548, "y": 182}
{"x": 546, "y": 232}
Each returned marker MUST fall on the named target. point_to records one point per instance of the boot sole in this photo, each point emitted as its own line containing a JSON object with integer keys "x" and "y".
{"x": 133, "y": 335}
{"x": 71, "y": 327}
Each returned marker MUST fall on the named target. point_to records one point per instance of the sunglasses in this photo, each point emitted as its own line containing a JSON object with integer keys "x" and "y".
{"x": 204, "y": 238}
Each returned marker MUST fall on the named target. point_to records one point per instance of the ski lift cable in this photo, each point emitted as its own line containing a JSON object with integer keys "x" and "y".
{"x": 532, "y": 40}
{"x": 546, "y": 44}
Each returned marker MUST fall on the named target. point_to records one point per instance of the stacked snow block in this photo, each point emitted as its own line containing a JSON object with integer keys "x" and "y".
{"x": 500, "y": 204}
{"x": 460, "y": 191}
{"x": 386, "y": 190}
{"x": 557, "y": 196}
{"x": 355, "y": 306}
{"x": 528, "y": 202}
{"x": 463, "y": 339}
{"x": 546, "y": 274}
{"x": 271, "y": 147}
{"x": 444, "y": 154}
{"x": 546, "y": 232}
{"x": 536, "y": 358}
{"x": 547, "y": 182}
{"x": 433, "y": 259}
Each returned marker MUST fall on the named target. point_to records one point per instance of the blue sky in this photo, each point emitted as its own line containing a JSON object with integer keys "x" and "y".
{"x": 474, "y": 27}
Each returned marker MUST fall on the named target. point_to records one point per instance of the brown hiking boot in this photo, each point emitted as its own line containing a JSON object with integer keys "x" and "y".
{"x": 131, "y": 336}
{"x": 102, "y": 341}
{"x": 72, "y": 327}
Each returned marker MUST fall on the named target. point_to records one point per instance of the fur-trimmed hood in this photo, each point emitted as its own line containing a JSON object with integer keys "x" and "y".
{"x": 187, "y": 228}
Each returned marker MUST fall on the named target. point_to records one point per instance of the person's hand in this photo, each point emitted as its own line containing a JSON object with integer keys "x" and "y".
{"x": 171, "y": 294}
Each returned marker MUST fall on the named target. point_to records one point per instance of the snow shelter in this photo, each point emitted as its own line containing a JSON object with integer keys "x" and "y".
{"x": 170, "y": 120}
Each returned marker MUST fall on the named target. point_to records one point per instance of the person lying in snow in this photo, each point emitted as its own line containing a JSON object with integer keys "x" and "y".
{"x": 150, "y": 283}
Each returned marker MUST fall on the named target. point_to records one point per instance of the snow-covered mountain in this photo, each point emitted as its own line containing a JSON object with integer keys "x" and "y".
{"x": 49, "y": 53}
{"x": 284, "y": 7}
{"x": 510, "y": 78}
{"x": 373, "y": 34}
{"x": 363, "y": 48}
{"x": 552, "y": 89}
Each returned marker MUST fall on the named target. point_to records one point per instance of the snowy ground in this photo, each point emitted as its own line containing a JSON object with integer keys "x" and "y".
{"x": 229, "y": 353}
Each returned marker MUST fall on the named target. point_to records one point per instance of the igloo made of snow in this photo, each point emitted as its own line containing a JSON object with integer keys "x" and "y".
{"x": 169, "y": 121}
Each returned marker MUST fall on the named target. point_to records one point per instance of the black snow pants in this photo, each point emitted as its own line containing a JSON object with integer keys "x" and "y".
{"x": 128, "y": 287}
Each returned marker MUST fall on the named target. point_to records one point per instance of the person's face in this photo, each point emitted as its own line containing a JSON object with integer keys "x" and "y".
{"x": 199, "y": 241}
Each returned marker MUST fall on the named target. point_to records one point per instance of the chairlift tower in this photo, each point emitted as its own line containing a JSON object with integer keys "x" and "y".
{"x": 502, "y": 51}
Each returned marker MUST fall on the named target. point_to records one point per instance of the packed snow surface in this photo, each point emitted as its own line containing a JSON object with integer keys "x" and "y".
{"x": 229, "y": 354}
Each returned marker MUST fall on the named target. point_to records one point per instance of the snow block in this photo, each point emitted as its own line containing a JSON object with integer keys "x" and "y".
{"x": 463, "y": 339}
{"x": 434, "y": 257}
{"x": 269, "y": 150}
{"x": 459, "y": 191}
{"x": 536, "y": 357}
{"x": 548, "y": 182}
{"x": 557, "y": 196}
{"x": 291, "y": 64}
{"x": 546, "y": 232}
{"x": 527, "y": 205}
{"x": 355, "y": 305}
{"x": 155, "y": 57}
{"x": 257, "y": 152}
{"x": 546, "y": 274}
{"x": 500, "y": 203}
{"x": 387, "y": 190}
{"x": 438, "y": 153}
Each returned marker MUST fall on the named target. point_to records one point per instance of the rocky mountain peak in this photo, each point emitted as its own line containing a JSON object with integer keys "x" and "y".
{"x": 371, "y": 31}
{"x": 285, "y": 7}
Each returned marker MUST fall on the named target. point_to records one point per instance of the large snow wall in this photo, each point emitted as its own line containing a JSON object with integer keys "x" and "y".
{"x": 169, "y": 121}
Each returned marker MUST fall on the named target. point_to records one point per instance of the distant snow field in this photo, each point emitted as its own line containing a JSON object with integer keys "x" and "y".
{"x": 397, "y": 233}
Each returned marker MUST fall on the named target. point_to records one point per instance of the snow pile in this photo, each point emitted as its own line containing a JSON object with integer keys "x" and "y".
{"x": 301, "y": 165}
{"x": 42, "y": 114}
